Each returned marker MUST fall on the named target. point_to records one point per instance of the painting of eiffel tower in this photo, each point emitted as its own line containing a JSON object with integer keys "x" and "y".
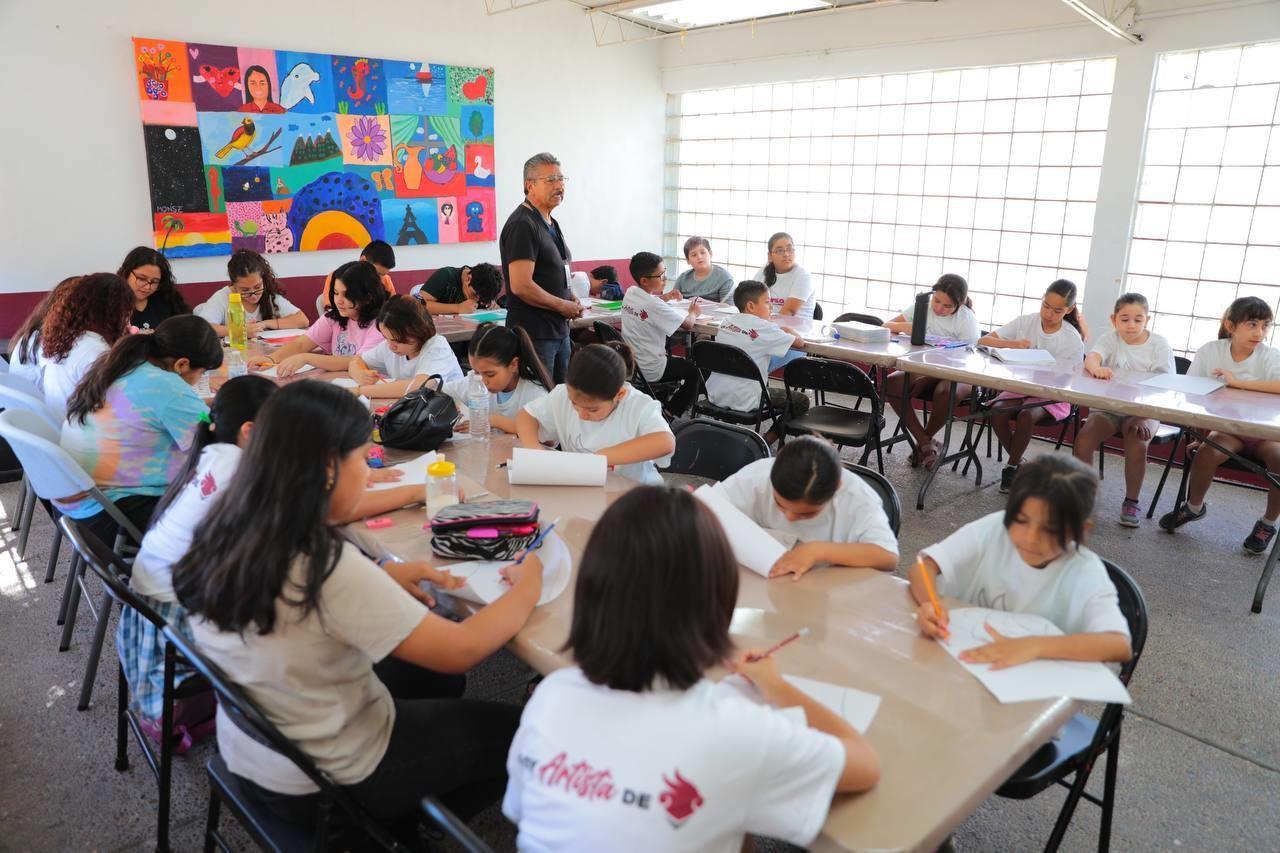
{"x": 410, "y": 232}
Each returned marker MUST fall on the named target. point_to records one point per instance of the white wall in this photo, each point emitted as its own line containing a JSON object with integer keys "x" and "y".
{"x": 73, "y": 184}
{"x": 966, "y": 33}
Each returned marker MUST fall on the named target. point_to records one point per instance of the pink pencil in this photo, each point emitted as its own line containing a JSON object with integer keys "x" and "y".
{"x": 769, "y": 652}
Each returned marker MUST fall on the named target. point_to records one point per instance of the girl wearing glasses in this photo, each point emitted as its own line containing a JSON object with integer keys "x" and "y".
{"x": 791, "y": 290}
{"x": 264, "y": 304}
{"x": 155, "y": 295}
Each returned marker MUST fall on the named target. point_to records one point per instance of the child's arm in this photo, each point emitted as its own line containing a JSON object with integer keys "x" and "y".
{"x": 502, "y": 423}
{"x": 994, "y": 340}
{"x": 435, "y": 306}
{"x": 361, "y": 373}
{"x": 861, "y": 765}
{"x": 692, "y": 317}
{"x": 293, "y": 321}
{"x": 527, "y": 430}
{"x": 791, "y": 306}
{"x": 381, "y": 501}
{"x": 296, "y": 353}
{"x": 933, "y": 623}
{"x": 899, "y": 325}
{"x": 652, "y": 446}
{"x": 1005, "y": 652}
{"x": 394, "y": 389}
{"x": 1266, "y": 386}
{"x": 802, "y": 558}
{"x": 1093, "y": 366}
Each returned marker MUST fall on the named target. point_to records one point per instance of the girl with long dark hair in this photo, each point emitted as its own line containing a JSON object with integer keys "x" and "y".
{"x": 511, "y": 370}
{"x": 265, "y": 308}
{"x": 155, "y": 292}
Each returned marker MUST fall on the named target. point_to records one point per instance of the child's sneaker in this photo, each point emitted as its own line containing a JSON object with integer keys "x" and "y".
{"x": 1181, "y": 514}
{"x": 1006, "y": 478}
{"x": 1130, "y": 514}
{"x": 1260, "y": 538}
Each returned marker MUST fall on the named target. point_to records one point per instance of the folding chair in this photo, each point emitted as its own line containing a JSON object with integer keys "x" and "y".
{"x": 660, "y": 391}
{"x": 715, "y": 357}
{"x": 817, "y": 311}
{"x": 18, "y": 393}
{"x": 843, "y": 425}
{"x": 1084, "y": 740}
{"x": 854, "y": 317}
{"x": 882, "y": 487}
{"x": 54, "y": 474}
{"x": 268, "y": 829}
{"x": 453, "y": 826}
{"x": 715, "y": 450}
{"x": 114, "y": 573}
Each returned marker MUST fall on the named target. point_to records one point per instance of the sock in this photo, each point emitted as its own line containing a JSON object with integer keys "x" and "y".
{"x": 1195, "y": 508}
{"x": 1269, "y": 522}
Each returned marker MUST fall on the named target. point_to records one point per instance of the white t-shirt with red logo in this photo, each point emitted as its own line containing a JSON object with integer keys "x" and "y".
{"x": 598, "y": 769}
{"x": 795, "y": 283}
{"x": 761, "y": 340}
{"x": 647, "y": 322}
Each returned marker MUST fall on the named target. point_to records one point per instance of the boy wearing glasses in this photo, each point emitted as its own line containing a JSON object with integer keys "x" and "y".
{"x": 648, "y": 320}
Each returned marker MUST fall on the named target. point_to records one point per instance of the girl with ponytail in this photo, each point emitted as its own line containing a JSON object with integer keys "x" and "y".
{"x": 507, "y": 362}
{"x": 791, "y": 291}
{"x": 133, "y": 417}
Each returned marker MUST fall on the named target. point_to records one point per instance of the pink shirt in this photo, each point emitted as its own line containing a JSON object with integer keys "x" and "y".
{"x": 335, "y": 340}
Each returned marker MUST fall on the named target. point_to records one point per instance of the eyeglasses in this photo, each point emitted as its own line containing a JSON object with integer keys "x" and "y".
{"x": 783, "y": 250}
{"x": 257, "y": 291}
{"x": 144, "y": 281}
{"x": 552, "y": 179}
{"x": 659, "y": 277}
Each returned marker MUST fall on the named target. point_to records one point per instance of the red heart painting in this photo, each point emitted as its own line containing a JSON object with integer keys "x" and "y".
{"x": 223, "y": 80}
{"x": 475, "y": 90}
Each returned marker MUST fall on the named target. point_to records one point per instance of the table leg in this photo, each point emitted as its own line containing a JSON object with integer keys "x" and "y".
{"x": 946, "y": 443}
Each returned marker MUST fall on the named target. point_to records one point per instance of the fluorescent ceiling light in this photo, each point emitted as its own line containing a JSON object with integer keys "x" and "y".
{"x": 690, "y": 14}
{"x": 1104, "y": 22}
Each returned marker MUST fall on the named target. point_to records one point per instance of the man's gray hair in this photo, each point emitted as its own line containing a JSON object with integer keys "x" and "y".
{"x": 542, "y": 159}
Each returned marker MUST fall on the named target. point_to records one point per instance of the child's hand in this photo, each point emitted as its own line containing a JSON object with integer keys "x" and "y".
{"x": 364, "y": 376}
{"x": 530, "y": 571}
{"x": 901, "y": 328}
{"x": 1226, "y": 376}
{"x": 253, "y": 327}
{"x": 1142, "y": 430}
{"x": 408, "y": 575}
{"x": 1020, "y": 344}
{"x": 1004, "y": 652}
{"x": 291, "y": 365}
{"x": 1100, "y": 372}
{"x": 384, "y": 475}
{"x": 261, "y": 362}
{"x": 931, "y": 625}
{"x": 695, "y": 309}
{"x": 442, "y": 578}
{"x": 761, "y": 671}
{"x": 467, "y": 306}
{"x": 795, "y": 562}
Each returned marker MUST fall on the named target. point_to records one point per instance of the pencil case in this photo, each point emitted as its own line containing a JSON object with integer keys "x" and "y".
{"x": 484, "y": 530}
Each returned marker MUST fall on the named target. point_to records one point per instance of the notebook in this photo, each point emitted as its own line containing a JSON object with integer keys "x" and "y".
{"x": 1019, "y": 356}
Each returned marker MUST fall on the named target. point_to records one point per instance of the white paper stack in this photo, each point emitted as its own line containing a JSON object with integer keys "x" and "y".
{"x": 862, "y": 333}
{"x": 530, "y": 467}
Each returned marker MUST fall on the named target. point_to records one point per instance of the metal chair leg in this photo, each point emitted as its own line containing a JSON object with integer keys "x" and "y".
{"x": 27, "y": 512}
{"x": 122, "y": 720}
{"x": 1109, "y": 794}
{"x": 166, "y": 752}
{"x": 211, "y": 823}
{"x": 15, "y": 523}
{"x": 1265, "y": 579}
{"x": 54, "y": 550}
{"x": 95, "y": 651}
{"x": 66, "y": 592}
{"x": 1068, "y": 809}
{"x": 70, "y": 604}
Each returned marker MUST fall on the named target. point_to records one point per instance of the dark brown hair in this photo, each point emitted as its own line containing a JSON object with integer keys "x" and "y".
{"x": 600, "y": 370}
{"x": 1067, "y": 290}
{"x": 504, "y": 345}
{"x": 1067, "y": 485}
{"x": 486, "y": 281}
{"x": 27, "y": 336}
{"x": 955, "y": 288}
{"x": 693, "y": 243}
{"x": 187, "y": 336}
{"x": 1131, "y": 299}
{"x": 1243, "y": 310}
{"x": 101, "y": 303}
{"x": 245, "y": 262}
{"x": 363, "y": 289}
{"x": 167, "y": 293}
{"x": 771, "y": 271}
{"x": 406, "y": 320}
{"x": 655, "y": 593}
{"x": 748, "y": 291}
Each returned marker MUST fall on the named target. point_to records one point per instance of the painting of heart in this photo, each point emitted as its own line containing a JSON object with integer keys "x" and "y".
{"x": 474, "y": 90}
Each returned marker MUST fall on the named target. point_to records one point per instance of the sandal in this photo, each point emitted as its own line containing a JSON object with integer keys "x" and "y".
{"x": 929, "y": 454}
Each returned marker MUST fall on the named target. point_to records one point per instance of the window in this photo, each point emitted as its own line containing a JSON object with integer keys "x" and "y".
{"x": 887, "y": 182}
{"x": 1207, "y": 228}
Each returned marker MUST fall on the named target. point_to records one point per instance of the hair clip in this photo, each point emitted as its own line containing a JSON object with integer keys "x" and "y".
{"x": 204, "y": 418}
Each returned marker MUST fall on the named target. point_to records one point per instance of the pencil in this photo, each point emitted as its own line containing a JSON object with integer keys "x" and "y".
{"x": 768, "y": 652}
{"x": 537, "y": 542}
{"x": 933, "y": 593}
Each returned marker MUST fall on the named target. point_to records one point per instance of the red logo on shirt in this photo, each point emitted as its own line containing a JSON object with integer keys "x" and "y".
{"x": 681, "y": 799}
{"x": 753, "y": 334}
{"x": 578, "y": 778}
{"x": 208, "y": 485}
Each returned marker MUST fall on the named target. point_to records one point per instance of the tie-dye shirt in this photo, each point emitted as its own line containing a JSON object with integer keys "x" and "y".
{"x": 136, "y": 443}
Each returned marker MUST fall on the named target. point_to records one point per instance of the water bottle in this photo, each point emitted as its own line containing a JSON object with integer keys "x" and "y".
{"x": 235, "y": 322}
{"x": 442, "y": 486}
{"x": 920, "y": 319}
{"x": 202, "y": 386}
{"x": 478, "y": 407}
{"x": 235, "y": 364}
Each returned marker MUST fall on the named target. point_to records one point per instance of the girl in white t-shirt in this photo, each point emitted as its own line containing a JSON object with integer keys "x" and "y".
{"x": 597, "y": 411}
{"x": 791, "y": 290}
{"x": 1128, "y": 346}
{"x": 1241, "y": 358}
{"x": 1056, "y": 329}
{"x": 335, "y": 649}
{"x": 347, "y": 328}
{"x": 265, "y": 307}
{"x": 805, "y": 492}
{"x": 950, "y": 316}
{"x": 24, "y": 345}
{"x": 512, "y": 372}
{"x": 84, "y": 322}
{"x": 1031, "y": 558}
{"x": 634, "y": 748}
{"x": 410, "y": 351}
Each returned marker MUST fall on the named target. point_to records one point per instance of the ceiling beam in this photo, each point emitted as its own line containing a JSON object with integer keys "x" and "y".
{"x": 1118, "y": 23}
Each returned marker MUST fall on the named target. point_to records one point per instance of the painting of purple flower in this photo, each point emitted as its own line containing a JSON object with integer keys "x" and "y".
{"x": 368, "y": 139}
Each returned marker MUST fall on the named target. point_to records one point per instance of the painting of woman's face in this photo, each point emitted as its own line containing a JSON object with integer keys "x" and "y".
{"x": 259, "y": 87}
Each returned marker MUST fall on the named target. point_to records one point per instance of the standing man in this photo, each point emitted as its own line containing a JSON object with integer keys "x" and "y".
{"x": 535, "y": 264}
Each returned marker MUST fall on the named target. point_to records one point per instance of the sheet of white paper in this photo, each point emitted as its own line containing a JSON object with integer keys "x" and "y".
{"x": 1021, "y": 356}
{"x": 752, "y": 545}
{"x": 281, "y": 334}
{"x": 727, "y": 310}
{"x": 1041, "y": 679}
{"x": 553, "y": 468}
{"x": 1185, "y": 384}
{"x": 271, "y": 371}
{"x": 484, "y": 581}
{"x": 856, "y": 706}
{"x": 415, "y": 473}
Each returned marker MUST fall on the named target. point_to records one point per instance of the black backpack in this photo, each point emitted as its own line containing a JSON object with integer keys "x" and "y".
{"x": 420, "y": 420}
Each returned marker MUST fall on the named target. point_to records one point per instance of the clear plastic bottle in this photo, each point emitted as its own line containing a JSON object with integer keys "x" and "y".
{"x": 442, "y": 486}
{"x": 202, "y": 386}
{"x": 235, "y": 364}
{"x": 235, "y": 322}
{"x": 477, "y": 407}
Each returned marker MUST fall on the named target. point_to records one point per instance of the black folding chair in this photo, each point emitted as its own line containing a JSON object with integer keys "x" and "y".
{"x": 453, "y": 826}
{"x": 855, "y": 317}
{"x": 114, "y": 572}
{"x": 842, "y": 425}
{"x": 660, "y": 391}
{"x": 817, "y": 311}
{"x": 715, "y": 450}
{"x": 883, "y": 488}
{"x": 1164, "y": 434}
{"x": 1084, "y": 740}
{"x": 340, "y": 817}
{"x": 715, "y": 357}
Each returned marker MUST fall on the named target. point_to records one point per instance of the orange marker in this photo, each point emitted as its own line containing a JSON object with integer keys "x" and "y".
{"x": 933, "y": 593}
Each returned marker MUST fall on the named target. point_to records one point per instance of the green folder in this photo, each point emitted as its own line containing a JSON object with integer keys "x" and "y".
{"x": 616, "y": 305}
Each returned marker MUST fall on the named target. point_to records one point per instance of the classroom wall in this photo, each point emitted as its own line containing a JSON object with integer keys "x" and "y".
{"x": 965, "y": 33}
{"x": 73, "y": 174}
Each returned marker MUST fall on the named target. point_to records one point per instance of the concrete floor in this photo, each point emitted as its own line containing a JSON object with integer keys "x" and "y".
{"x": 1200, "y": 764}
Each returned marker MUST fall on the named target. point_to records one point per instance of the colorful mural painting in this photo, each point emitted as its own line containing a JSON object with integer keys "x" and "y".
{"x": 281, "y": 151}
